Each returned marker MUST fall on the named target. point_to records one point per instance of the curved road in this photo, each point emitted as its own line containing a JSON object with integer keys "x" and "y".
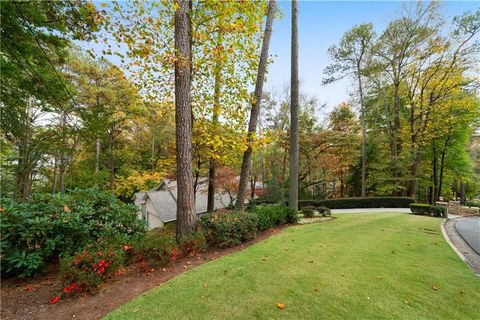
{"x": 469, "y": 230}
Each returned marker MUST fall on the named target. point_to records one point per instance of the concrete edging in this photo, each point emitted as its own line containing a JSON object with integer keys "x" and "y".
{"x": 447, "y": 238}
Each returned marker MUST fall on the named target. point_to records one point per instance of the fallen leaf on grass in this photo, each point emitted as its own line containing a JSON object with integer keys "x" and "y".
{"x": 205, "y": 285}
{"x": 280, "y": 306}
{"x": 406, "y": 302}
{"x": 434, "y": 287}
{"x": 316, "y": 289}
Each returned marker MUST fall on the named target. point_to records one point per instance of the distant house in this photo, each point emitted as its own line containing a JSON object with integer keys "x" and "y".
{"x": 159, "y": 205}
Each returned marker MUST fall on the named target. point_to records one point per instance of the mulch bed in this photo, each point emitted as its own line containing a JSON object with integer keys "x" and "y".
{"x": 29, "y": 298}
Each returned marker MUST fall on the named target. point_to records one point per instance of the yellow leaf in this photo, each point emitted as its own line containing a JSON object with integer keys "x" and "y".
{"x": 280, "y": 306}
{"x": 66, "y": 208}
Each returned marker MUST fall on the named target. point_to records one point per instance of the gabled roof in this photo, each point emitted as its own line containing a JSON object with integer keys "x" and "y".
{"x": 164, "y": 199}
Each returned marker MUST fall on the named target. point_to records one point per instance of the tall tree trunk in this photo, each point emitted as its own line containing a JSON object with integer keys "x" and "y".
{"x": 462, "y": 193}
{"x": 153, "y": 150}
{"x": 253, "y": 183}
{"x": 435, "y": 176}
{"x": 97, "y": 155}
{"x": 63, "y": 157}
{"x": 216, "y": 114}
{"x": 284, "y": 168}
{"x": 294, "y": 96}
{"x": 55, "y": 176}
{"x": 397, "y": 140}
{"x": 111, "y": 164}
{"x": 412, "y": 187}
{"x": 442, "y": 166}
{"x": 186, "y": 216}
{"x": 61, "y": 179}
{"x": 364, "y": 131}
{"x": 254, "y": 112}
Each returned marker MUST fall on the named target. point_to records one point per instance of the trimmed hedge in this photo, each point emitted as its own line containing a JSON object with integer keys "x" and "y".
{"x": 271, "y": 215}
{"x": 473, "y": 203}
{"x": 429, "y": 210}
{"x": 420, "y": 208}
{"x": 229, "y": 229}
{"x": 351, "y": 203}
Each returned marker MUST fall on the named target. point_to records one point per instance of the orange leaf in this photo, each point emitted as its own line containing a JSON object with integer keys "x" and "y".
{"x": 280, "y": 306}
{"x": 66, "y": 208}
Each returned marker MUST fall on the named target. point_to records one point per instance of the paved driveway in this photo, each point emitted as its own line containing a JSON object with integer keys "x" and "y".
{"x": 469, "y": 230}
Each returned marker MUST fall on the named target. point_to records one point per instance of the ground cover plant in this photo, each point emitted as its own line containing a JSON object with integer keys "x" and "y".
{"x": 361, "y": 266}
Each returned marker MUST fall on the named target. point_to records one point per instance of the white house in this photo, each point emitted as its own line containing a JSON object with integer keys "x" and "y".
{"x": 159, "y": 205}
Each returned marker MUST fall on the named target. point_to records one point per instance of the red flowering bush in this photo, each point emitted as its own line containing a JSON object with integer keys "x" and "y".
{"x": 86, "y": 270}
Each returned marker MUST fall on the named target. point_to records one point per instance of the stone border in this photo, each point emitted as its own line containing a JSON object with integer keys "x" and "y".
{"x": 461, "y": 248}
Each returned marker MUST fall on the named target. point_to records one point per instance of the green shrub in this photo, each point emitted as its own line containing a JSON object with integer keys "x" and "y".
{"x": 426, "y": 209}
{"x": 49, "y": 226}
{"x": 308, "y": 212}
{"x": 438, "y": 211}
{"x": 228, "y": 229}
{"x": 324, "y": 211}
{"x": 271, "y": 215}
{"x": 420, "y": 208}
{"x": 158, "y": 247}
{"x": 259, "y": 201}
{"x": 350, "y": 203}
{"x": 473, "y": 203}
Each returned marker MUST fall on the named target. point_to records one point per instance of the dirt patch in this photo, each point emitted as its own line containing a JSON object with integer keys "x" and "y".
{"x": 29, "y": 298}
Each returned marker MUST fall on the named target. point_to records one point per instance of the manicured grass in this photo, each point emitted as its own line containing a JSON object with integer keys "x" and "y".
{"x": 359, "y": 266}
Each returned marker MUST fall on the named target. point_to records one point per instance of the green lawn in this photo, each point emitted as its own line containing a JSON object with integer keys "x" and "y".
{"x": 360, "y": 266}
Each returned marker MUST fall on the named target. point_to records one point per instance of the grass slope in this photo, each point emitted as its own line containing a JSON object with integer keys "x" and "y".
{"x": 360, "y": 266}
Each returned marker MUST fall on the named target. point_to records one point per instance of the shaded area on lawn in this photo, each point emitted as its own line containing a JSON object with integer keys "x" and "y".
{"x": 360, "y": 266}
